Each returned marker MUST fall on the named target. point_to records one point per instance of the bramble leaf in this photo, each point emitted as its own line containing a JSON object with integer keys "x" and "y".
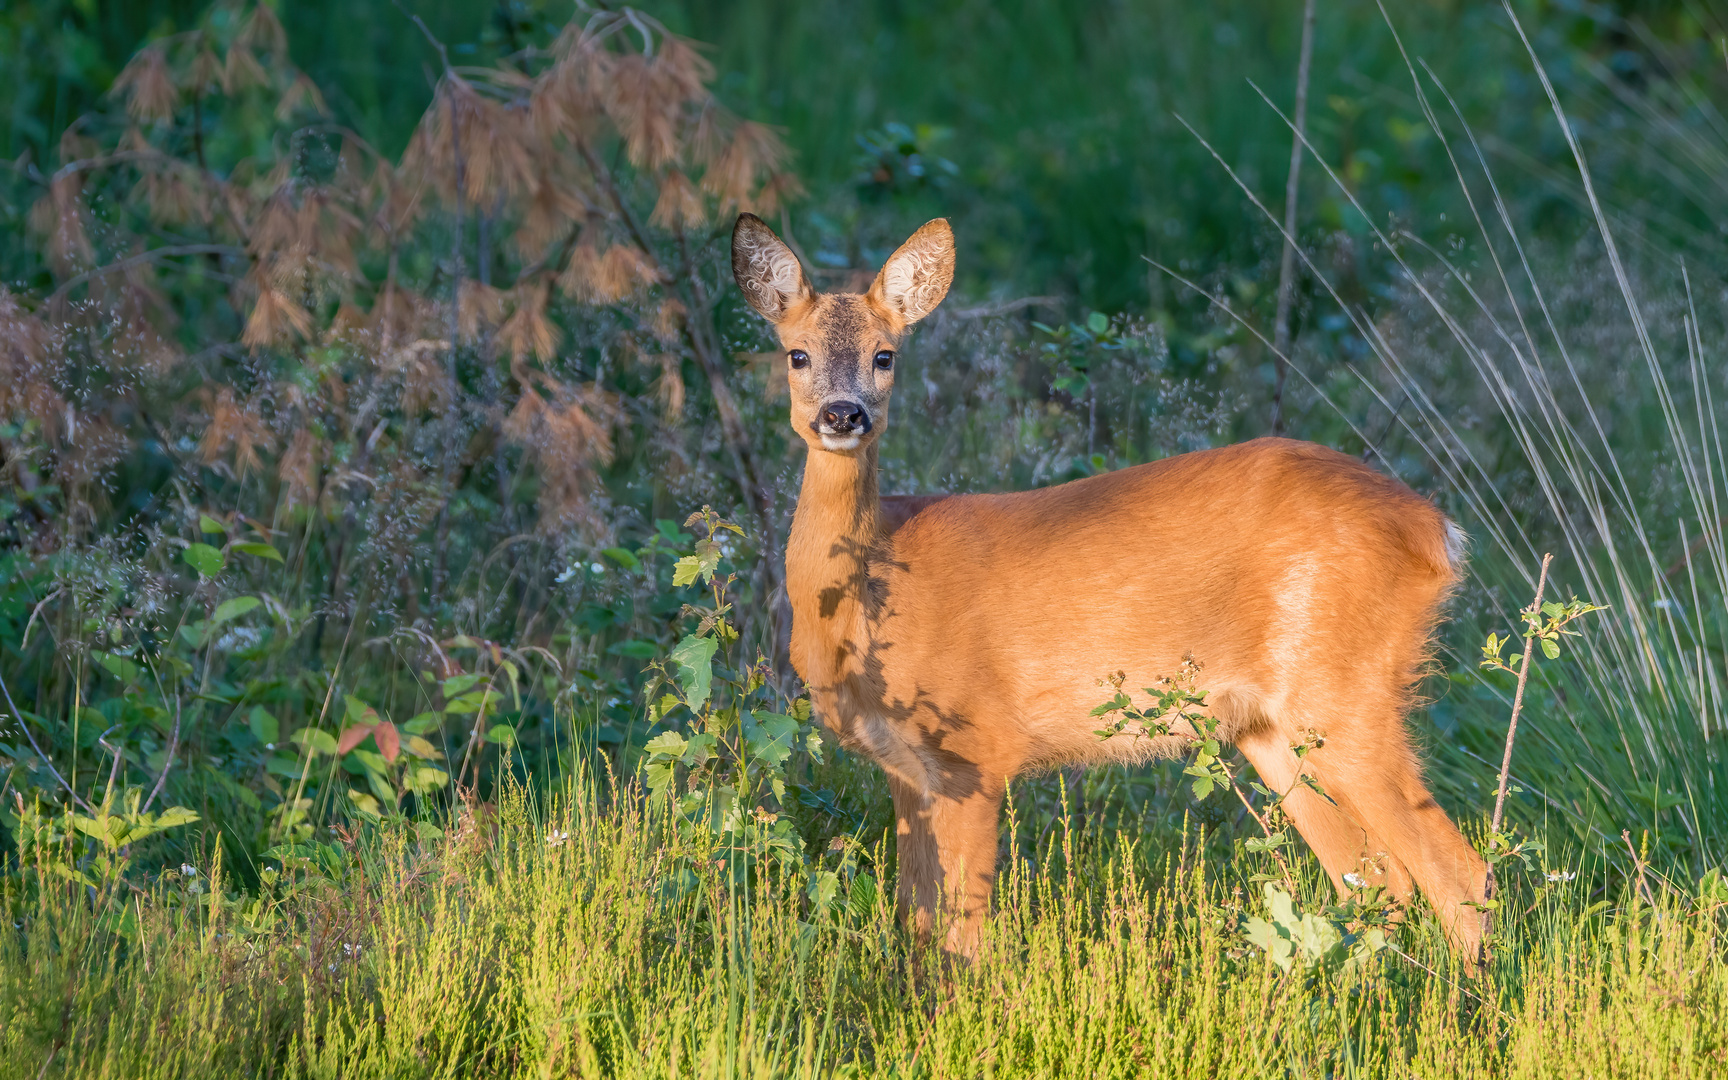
{"x": 205, "y": 559}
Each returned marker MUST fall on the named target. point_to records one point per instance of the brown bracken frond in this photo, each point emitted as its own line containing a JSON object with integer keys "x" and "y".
{"x": 754, "y": 149}
{"x": 263, "y": 31}
{"x": 298, "y": 469}
{"x": 59, "y": 216}
{"x": 274, "y": 319}
{"x": 680, "y": 205}
{"x": 241, "y": 70}
{"x": 26, "y": 386}
{"x": 528, "y": 330}
{"x": 149, "y": 89}
{"x": 237, "y": 427}
{"x": 302, "y": 93}
{"x": 481, "y": 307}
{"x": 564, "y": 438}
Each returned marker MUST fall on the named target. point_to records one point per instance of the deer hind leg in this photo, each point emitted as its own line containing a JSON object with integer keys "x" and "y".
{"x": 1343, "y": 845}
{"x": 1383, "y": 785}
{"x": 946, "y": 845}
{"x": 1368, "y": 769}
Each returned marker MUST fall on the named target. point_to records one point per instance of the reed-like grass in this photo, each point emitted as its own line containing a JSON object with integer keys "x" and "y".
{"x": 506, "y": 949}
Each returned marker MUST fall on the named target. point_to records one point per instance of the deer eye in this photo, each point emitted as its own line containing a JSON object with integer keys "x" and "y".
{"x": 885, "y": 359}
{"x": 799, "y": 358}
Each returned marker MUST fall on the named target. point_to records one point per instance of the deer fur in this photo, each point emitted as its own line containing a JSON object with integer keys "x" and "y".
{"x": 959, "y": 641}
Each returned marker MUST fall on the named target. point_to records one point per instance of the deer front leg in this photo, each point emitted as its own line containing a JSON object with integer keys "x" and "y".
{"x": 947, "y": 851}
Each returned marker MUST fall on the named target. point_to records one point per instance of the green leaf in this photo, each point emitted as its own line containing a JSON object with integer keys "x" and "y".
{"x": 694, "y": 659}
{"x": 1097, "y": 322}
{"x": 1550, "y": 649}
{"x": 321, "y": 742}
{"x": 635, "y": 650}
{"x": 685, "y": 570}
{"x": 233, "y": 609}
{"x": 175, "y": 816}
{"x": 622, "y": 558}
{"x": 471, "y": 702}
{"x": 205, "y": 559}
{"x": 1265, "y": 935}
{"x": 1202, "y": 787}
{"x": 262, "y": 551}
{"x": 824, "y": 887}
{"x": 425, "y": 779}
{"x": 666, "y": 744}
{"x": 118, "y": 666}
{"x": 769, "y": 737}
{"x": 659, "y": 777}
{"x": 423, "y": 723}
{"x": 701, "y": 748}
{"x": 263, "y": 725}
{"x": 502, "y": 734}
{"x": 208, "y": 524}
{"x": 455, "y": 684}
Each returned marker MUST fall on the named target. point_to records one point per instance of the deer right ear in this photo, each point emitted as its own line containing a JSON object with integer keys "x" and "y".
{"x": 767, "y": 271}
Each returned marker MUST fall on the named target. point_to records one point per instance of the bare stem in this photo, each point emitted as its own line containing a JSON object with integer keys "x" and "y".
{"x": 1292, "y": 187}
{"x": 1518, "y": 697}
{"x": 1266, "y": 827}
{"x": 24, "y": 727}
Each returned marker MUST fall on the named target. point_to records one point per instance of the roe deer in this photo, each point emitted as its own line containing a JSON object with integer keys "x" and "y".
{"x": 959, "y": 641}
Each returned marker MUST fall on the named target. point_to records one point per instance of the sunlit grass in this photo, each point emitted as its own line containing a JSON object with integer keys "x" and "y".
{"x": 544, "y": 941}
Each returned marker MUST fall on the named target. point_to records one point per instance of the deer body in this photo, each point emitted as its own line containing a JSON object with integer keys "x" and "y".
{"x": 960, "y": 642}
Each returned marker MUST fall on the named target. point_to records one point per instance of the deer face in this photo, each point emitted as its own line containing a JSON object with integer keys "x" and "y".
{"x": 841, "y": 348}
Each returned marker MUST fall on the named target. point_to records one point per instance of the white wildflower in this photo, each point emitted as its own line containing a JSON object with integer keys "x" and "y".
{"x": 1354, "y": 880}
{"x": 1556, "y": 876}
{"x": 188, "y": 870}
{"x": 569, "y": 573}
{"x": 557, "y": 838}
{"x": 596, "y": 568}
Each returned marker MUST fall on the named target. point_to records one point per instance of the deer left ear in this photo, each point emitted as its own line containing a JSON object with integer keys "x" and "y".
{"x": 916, "y": 278}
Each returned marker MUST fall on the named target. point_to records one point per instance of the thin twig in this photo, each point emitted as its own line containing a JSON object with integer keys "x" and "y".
{"x": 1292, "y": 188}
{"x": 1265, "y": 827}
{"x": 1455, "y": 985}
{"x": 168, "y": 760}
{"x": 1518, "y": 697}
{"x": 143, "y": 257}
{"x": 24, "y": 727}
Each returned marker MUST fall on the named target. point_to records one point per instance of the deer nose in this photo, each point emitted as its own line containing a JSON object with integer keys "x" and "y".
{"x": 844, "y": 418}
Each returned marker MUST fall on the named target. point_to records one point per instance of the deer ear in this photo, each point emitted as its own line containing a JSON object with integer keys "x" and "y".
{"x": 767, "y": 271}
{"x": 916, "y": 278}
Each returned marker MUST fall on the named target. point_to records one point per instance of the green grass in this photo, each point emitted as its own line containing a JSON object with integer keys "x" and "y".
{"x": 504, "y": 950}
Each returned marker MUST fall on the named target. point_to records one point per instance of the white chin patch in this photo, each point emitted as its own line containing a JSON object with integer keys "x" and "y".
{"x": 841, "y": 442}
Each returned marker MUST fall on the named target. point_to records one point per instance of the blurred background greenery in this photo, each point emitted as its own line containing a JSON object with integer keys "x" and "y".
{"x": 1046, "y": 129}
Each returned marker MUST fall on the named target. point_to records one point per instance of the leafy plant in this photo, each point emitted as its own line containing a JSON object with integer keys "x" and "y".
{"x": 723, "y": 764}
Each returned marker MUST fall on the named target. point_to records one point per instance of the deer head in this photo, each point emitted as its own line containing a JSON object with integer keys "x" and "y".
{"x": 841, "y": 347}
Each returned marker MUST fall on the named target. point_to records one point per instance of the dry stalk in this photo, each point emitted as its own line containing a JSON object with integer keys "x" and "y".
{"x": 1292, "y": 188}
{"x": 1518, "y": 697}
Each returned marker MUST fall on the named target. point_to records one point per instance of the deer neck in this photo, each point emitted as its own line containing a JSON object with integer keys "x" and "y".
{"x": 834, "y": 533}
